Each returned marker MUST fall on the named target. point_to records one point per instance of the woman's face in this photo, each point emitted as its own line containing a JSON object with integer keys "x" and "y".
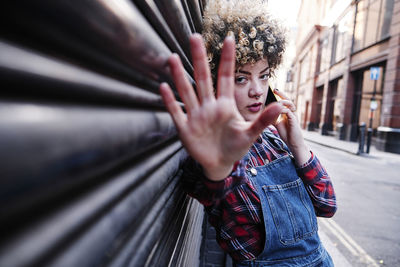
{"x": 251, "y": 89}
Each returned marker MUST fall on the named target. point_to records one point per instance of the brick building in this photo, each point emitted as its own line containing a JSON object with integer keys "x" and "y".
{"x": 347, "y": 69}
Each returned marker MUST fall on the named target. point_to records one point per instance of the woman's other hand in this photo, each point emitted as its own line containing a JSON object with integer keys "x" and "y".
{"x": 290, "y": 132}
{"x": 212, "y": 130}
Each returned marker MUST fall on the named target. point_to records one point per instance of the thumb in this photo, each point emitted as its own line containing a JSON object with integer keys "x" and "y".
{"x": 269, "y": 116}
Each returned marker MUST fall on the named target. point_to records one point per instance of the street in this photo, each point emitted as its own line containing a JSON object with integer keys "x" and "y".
{"x": 366, "y": 228}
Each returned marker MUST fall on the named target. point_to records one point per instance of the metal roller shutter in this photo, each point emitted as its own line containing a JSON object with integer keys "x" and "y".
{"x": 89, "y": 158}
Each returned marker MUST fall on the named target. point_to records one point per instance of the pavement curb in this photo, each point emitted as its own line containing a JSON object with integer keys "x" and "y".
{"x": 330, "y": 146}
{"x": 338, "y": 258}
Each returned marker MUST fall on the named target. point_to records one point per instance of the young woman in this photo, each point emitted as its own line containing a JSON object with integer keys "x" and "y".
{"x": 261, "y": 186}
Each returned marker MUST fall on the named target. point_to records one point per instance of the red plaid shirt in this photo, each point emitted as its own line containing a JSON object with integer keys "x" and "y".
{"x": 233, "y": 206}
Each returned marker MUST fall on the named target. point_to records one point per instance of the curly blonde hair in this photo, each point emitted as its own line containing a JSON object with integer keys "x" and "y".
{"x": 258, "y": 35}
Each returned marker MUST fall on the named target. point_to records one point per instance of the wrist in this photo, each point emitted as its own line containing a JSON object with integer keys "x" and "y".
{"x": 217, "y": 173}
{"x": 301, "y": 154}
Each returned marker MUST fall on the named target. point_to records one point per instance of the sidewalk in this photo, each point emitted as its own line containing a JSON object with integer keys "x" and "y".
{"x": 347, "y": 146}
{"x": 352, "y": 148}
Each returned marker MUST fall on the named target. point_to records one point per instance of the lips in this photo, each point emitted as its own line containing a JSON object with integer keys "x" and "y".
{"x": 254, "y": 107}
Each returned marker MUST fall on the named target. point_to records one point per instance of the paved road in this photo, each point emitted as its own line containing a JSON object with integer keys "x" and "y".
{"x": 366, "y": 229}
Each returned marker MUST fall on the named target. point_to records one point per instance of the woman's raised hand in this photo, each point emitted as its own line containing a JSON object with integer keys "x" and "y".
{"x": 212, "y": 131}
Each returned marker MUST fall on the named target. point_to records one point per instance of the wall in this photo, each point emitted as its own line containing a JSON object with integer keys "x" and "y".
{"x": 89, "y": 158}
{"x": 389, "y": 132}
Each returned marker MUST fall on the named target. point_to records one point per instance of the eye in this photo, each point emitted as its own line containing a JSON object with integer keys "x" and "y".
{"x": 264, "y": 77}
{"x": 240, "y": 80}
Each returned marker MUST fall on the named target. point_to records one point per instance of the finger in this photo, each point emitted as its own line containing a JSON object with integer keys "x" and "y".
{"x": 282, "y": 130}
{"x": 269, "y": 116}
{"x": 280, "y": 94}
{"x": 282, "y": 119}
{"x": 289, "y": 104}
{"x": 287, "y": 116}
{"x": 173, "y": 107}
{"x": 183, "y": 85}
{"x": 226, "y": 68}
{"x": 202, "y": 73}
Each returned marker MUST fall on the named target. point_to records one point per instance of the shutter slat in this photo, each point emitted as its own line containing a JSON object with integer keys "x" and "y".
{"x": 87, "y": 212}
{"x": 47, "y": 149}
{"x": 35, "y": 74}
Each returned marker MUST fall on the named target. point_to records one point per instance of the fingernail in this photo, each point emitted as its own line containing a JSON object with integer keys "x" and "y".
{"x": 195, "y": 36}
{"x": 173, "y": 57}
{"x": 162, "y": 86}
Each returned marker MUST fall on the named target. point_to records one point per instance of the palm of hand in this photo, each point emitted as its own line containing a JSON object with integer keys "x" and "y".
{"x": 213, "y": 131}
{"x": 216, "y": 134}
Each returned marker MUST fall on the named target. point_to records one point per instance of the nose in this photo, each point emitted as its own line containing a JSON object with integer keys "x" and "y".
{"x": 255, "y": 90}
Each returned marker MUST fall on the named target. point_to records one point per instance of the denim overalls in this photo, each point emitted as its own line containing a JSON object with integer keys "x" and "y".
{"x": 289, "y": 218}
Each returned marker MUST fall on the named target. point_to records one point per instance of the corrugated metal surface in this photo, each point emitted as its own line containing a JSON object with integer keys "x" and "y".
{"x": 89, "y": 159}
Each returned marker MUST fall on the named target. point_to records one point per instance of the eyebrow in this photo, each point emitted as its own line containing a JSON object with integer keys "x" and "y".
{"x": 248, "y": 73}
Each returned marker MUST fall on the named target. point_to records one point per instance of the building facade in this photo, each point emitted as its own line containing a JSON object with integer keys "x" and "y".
{"x": 347, "y": 69}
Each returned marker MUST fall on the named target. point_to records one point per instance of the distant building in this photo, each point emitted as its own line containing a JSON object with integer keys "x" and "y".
{"x": 347, "y": 69}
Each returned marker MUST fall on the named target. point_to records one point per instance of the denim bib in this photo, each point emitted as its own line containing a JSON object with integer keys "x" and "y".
{"x": 291, "y": 237}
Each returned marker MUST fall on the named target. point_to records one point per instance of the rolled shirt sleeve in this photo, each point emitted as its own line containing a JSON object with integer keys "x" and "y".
{"x": 319, "y": 186}
{"x": 206, "y": 191}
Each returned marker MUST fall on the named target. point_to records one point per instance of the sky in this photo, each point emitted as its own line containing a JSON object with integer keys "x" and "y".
{"x": 285, "y": 10}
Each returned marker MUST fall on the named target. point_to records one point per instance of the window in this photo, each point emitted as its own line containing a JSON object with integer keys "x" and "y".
{"x": 359, "y": 30}
{"x": 305, "y": 68}
{"x": 342, "y": 36}
{"x": 385, "y": 19}
{"x": 325, "y": 54}
{"x": 372, "y": 22}
{"x": 313, "y": 61}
